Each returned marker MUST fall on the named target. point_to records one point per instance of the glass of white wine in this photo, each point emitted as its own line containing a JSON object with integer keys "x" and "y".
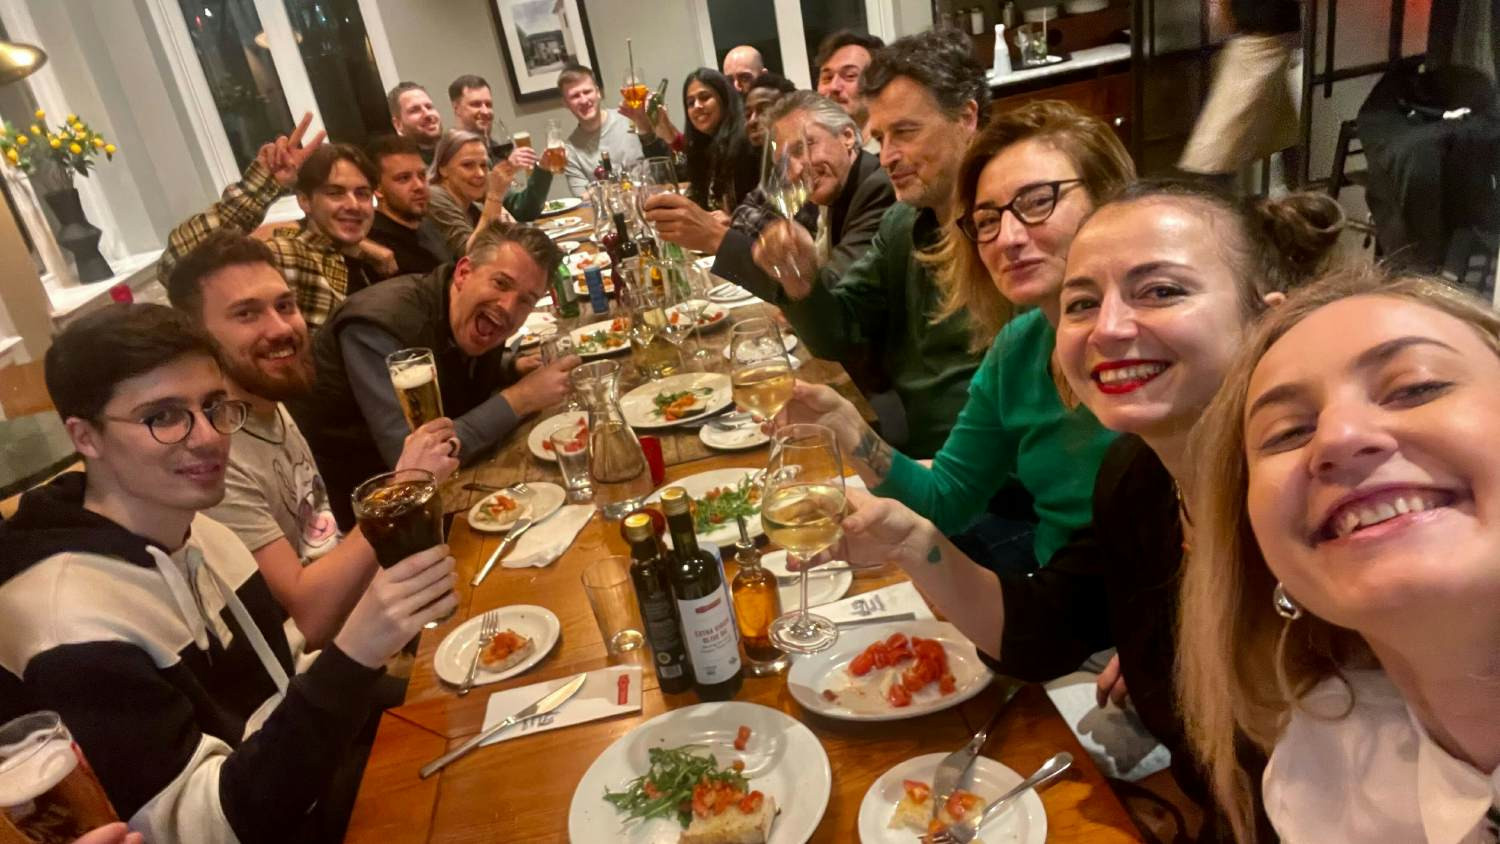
{"x": 760, "y": 372}
{"x": 785, "y": 177}
{"x": 802, "y": 510}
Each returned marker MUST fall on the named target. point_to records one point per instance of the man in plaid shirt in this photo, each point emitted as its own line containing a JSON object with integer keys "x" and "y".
{"x": 324, "y": 259}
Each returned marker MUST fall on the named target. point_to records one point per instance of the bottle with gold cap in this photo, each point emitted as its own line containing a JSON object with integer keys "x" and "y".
{"x": 703, "y": 605}
{"x": 757, "y": 603}
{"x": 648, "y": 571}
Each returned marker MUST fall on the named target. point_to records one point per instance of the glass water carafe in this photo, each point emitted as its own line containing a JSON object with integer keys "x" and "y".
{"x": 617, "y": 466}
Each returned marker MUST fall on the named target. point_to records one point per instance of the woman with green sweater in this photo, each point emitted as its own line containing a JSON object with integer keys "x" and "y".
{"x": 1025, "y": 186}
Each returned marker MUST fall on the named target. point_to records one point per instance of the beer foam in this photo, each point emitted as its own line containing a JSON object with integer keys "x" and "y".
{"x": 413, "y": 377}
{"x": 33, "y": 765}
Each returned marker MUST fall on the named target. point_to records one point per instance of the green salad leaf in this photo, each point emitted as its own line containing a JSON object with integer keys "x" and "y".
{"x": 666, "y": 789}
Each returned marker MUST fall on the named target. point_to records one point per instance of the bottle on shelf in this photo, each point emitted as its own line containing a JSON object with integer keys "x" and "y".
{"x": 757, "y": 603}
{"x": 648, "y": 571}
{"x": 703, "y": 604}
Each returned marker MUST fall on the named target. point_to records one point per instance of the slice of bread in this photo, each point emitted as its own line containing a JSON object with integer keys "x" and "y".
{"x": 508, "y": 648}
{"x": 911, "y": 815}
{"x": 733, "y": 826}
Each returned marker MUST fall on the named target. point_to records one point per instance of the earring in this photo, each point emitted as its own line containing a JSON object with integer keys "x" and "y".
{"x": 1285, "y": 606}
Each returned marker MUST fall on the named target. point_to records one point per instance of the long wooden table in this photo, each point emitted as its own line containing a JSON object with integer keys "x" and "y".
{"x": 520, "y": 791}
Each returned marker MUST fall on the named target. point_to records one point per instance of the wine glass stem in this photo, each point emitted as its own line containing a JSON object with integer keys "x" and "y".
{"x": 802, "y": 587}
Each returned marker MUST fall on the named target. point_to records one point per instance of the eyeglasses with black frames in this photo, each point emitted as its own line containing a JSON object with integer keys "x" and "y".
{"x": 172, "y": 425}
{"x": 1032, "y": 206}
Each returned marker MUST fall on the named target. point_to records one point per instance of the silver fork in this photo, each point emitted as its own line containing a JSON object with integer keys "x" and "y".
{"x": 951, "y": 771}
{"x": 963, "y": 833}
{"x": 519, "y": 488}
{"x": 488, "y": 627}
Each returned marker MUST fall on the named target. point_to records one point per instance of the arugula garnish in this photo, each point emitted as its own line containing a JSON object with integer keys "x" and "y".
{"x": 666, "y": 789}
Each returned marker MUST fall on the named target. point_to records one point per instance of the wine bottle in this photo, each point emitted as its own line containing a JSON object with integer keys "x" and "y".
{"x": 625, "y": 243}
{"x": 757, "y": 603}
{"x": 648, "y": 571}
{"x": 703, "y": 604}
{"x": 654, "y": 103}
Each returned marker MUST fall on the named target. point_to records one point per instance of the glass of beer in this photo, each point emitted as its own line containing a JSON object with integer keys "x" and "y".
{"x": 555, "y": 156}
{"x": 518, "y": 140}
{"x": 48, "y": 792}
{"x": 414, "y": 375}
{"x": 760, "y": 373}
{"x": 400, "y": 513}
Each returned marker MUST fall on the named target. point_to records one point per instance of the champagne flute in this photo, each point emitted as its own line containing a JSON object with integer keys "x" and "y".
{"x": 760, "y": 373}
{"x": 784, "y": 178}
{"x": 802, "y": 510}
{"x": 652, "y": 176}
{"x": 689, "y": 299}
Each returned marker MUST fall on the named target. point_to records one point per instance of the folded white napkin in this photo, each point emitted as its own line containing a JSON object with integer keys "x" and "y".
{"x": 892, "y": 600}
{"x": 547, "y": 541}
{"x": 1119, "y": 743}
{"x": 601, "y": 697}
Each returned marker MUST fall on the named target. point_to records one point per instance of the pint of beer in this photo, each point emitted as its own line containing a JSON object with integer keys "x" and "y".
{"x": 555, "y": 158}
{"x": 414, "y": 375}
{"x": 48, "y": 793}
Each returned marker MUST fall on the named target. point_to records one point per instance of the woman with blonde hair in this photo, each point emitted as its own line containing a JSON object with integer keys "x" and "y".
{"x": 1339, "y": 604}
{"x": 1161, "y": 284}
{"x": 465, "y": 193}
{"x": 1026, "y": 183}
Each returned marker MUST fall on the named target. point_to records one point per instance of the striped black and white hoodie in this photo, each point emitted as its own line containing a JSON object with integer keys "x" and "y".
{"x": 171, "y": 667}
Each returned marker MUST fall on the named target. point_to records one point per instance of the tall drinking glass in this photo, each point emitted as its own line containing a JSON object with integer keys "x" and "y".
{"x": 803, "y": 512}
{"x": 400, "y": 513}
{"x": 48, "y": 792}
{"x": 652, "y": 176}
{"x": 518, "y": 140}
{"x": 554, "y": 155}
{"x": 414, "y": 375}
{"x": 760, "y": 372}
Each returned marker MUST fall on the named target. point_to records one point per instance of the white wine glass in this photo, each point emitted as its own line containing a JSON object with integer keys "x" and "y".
{"x": 687, "y": 297}
{"x": 802, "y": 510}
{"x": 760, "y": 372}
{"x": 785, "y": 177}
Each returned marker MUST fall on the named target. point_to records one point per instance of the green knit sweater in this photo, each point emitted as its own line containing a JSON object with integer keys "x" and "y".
{"x": 1014, "y": 425}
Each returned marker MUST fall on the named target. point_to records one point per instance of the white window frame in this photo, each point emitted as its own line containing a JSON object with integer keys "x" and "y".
{"x": 880, "y": 19}
{"x": 203, "y": 114}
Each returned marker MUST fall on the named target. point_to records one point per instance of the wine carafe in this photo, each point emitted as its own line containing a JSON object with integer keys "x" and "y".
{"x": 617, "y": 465}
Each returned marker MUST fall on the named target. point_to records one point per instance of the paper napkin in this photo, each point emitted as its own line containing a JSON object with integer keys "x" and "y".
{"x": 547, "y": 541}
{"x": 608, "y": 691}
{"x": 892, "y": 600}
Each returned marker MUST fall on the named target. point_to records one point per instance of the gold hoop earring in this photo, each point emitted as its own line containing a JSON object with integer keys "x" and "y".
{"x": 1285, "y": 606}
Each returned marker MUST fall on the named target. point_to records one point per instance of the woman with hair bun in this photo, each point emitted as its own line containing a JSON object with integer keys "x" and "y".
{"x": 1341, "y": 615}
{"x": 1160, "y": 285}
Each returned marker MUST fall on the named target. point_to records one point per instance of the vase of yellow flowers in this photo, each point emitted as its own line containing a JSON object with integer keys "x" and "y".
{"x": 72, "y": 149}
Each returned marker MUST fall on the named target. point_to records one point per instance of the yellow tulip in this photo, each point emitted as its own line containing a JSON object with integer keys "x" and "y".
{"x": 11, "y": 155}
{"x": 75, "y": 149}
{"x": 55, "y": 143}
{"x": 41, "y": 115}
{"x": 109, "y": 149}
{"x": 35, "y": 129}
{"x": 98, "y": 141}
{"x": 22, "y": 140}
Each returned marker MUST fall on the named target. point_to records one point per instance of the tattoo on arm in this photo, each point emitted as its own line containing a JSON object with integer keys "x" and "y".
{"x": 934, "y": 555}
{"x": 875, "y": 453}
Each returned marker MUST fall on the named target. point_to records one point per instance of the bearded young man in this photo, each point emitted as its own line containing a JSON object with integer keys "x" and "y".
{"x": 275, "y": 500}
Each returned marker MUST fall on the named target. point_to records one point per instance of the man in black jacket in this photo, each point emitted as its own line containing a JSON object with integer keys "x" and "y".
{"x": 464, "y": 313}
{"x": 402, "y": 227}
{"x": 146, "y": 625}
{"x": 848, "y": 186}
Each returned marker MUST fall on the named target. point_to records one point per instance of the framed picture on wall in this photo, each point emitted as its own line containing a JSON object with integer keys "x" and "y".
{"x": 538, "y": 39}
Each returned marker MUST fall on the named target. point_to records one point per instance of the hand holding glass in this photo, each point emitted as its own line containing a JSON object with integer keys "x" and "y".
{"x": 760, "y": 373}
{"x": 803, "y": 512}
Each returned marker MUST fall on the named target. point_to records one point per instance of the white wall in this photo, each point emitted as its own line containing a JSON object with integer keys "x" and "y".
{"x": 434, "y": 44}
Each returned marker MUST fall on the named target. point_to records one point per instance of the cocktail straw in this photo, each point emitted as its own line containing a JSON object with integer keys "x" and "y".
{"x": 630, "y": 55}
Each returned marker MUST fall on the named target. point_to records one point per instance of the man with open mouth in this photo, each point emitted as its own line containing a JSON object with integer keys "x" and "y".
{"x": 464, "y": 313}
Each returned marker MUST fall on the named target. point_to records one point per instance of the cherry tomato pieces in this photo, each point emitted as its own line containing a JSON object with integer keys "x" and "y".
{"x": 742, "y": 738}
{"x": 918, "y": 791}
{"x": 751, "y": 802}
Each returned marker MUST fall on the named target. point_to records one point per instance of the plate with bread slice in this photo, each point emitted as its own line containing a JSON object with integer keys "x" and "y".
{"x": 713, "y": 773}
{"x": 526, "y": 635}
{"x": 897, "y": 809}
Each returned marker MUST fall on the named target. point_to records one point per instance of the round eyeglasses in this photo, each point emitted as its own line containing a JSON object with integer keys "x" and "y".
{"x": 172, "y": 425}
{"x": 1032, "y": 205}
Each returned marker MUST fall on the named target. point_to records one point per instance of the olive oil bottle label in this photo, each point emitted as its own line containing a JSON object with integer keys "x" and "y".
{"x": 712, "y": 642}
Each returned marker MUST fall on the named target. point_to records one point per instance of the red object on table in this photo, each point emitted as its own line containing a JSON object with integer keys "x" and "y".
{"x": 652, "y": 447}
{"x": 121, "y": 293}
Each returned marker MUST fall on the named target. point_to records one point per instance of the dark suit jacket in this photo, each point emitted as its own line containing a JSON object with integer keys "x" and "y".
{"x": 853, "y": 220}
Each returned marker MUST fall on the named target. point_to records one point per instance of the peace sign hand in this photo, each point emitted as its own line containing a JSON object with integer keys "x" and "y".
{"x": 288, "y": 152}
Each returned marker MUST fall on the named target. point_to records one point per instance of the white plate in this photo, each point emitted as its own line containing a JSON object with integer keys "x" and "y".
{"x": 728, "y": 292}
{"x": 821, "y": 588}
{"x": 595, "y": 260}
{"x": 543, "y": 429}
{"x": 538, "y": 324}
{"x": 639, "y": 405}
{"x": 456, "y": 652}
{"x": 859, "y": 697}
{"x": 788, "y": 341}
{"x": 784, "y": 760}
{"x": 560, "y": 206}
{"x": 746, "y": 435}
{"x": 542, "y": 501}
{"x": 1024, "y": 823}
{"x": 724, "y": 535}
{"x": 713, "y": 316}
{"x": 568, "y": 245}
{"x": 603, "y": 325}
{"x": 560, "y": 223}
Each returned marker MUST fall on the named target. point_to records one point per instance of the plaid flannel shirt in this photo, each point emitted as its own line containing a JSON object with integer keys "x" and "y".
{"x": 312, "y": 265}
{"x": 756, "y": 212}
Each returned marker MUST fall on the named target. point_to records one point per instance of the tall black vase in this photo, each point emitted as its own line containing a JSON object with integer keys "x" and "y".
{"x": 78, "y": 235}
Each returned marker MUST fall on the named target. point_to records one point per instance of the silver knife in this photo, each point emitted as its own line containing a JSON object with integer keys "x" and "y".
{"x": 879, "y": 619}
{"x": 950, "y": 771}
{"x": 549, "y": 702}
{"x": 521, "y": 526}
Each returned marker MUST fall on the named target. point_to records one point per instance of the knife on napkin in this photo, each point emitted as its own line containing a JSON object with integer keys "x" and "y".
{"x": 547, "y": 703}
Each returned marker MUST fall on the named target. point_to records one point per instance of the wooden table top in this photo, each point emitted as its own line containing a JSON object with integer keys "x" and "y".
{"x": 520, "y": 791}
